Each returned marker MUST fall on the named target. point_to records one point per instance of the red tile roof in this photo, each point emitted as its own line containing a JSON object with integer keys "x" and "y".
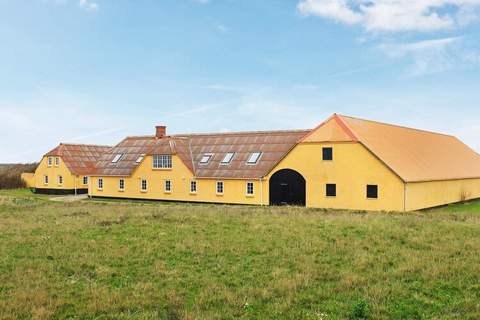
{"x": 80, "y": 159}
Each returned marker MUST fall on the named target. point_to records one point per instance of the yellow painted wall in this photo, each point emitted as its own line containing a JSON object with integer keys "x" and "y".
{"x": 53, "y": 171}
{"x": 421, "y": 195}
{"x": 29, "y": 179}
{"x": 180, "y": 176}
{"x": 352, "y": 168}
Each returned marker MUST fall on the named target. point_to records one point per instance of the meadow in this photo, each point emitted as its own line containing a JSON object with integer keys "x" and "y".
{"x": 152, "y": 260}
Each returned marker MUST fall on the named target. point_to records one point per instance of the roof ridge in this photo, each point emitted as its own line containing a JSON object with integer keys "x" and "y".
{"x": 397, "y": 125}
{"x": 239, "y": 133}
{"x": 84, "y": 144}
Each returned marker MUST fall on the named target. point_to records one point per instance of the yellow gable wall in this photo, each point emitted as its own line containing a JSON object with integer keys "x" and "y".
{"x": 53, "y": 172}
{"x": 180, "y": 177}
{"x": 352, "y": 168}
{"x": 420, "y": 195}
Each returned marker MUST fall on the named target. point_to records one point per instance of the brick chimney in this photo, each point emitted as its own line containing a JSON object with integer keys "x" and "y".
{"x": 161, "y": 131}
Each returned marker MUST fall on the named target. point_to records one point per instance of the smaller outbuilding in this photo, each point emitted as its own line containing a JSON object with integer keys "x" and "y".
{"x": 66, "y": 169}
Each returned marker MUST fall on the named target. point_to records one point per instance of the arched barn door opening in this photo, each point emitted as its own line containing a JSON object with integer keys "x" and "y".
{"x": 287, "y": 187}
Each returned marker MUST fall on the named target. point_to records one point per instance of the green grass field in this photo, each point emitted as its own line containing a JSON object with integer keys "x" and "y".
{"x": 128, "y": 260}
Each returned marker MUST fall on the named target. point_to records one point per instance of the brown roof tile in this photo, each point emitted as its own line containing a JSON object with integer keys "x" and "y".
{"x": 80, "y": 159}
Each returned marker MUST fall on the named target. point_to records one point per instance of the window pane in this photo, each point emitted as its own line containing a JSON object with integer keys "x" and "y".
{"x": 331, "y": 190}
{"x": 327, "y": 153}
{"x": 206, "y": 158}
{"x": 250, "y": 188}
{"x": 372, "y": 191}
{"x": 254, "y": 157}
{"x": 228, "y": 157}
{"x": 117, "y": 158}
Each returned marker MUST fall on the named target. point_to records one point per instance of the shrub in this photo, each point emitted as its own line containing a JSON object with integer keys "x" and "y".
{"x": 360, "y": 311}
{"x": 10, "y": 175}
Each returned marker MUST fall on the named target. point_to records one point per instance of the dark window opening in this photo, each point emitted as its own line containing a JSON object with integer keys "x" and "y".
{"x": 331, "y": 190}
{"x": 372, "y": 191}
{"x": 327, "y": 153}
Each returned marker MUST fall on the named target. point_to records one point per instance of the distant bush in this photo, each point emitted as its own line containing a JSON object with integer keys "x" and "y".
{"x": 10, "y": 175}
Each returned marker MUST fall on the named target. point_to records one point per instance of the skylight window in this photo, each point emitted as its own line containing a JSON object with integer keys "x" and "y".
{"x": 140, "y": 159}
{"x": 253, "y": 159}
{"x": 228, "y": 157}
{"x": 206, "y": 158}
{"x": 117, "y": 158}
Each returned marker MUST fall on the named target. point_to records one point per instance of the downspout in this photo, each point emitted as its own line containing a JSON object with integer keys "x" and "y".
{"x": 261, "y": 191}
{"x": 404, "y": 197}
{"x": 75, "y": 183}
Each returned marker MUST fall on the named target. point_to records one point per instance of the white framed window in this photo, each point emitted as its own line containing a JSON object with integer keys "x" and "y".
{"x": 162, "y": 161}
{"x": 253, "y": 159}
{"x": 228, "y": 158}
{"x": 49, "y": 161}
{"x": 60, "y": 180}
{"x": 143, "y": 185}
{"x": 121, "y": 184}
{"x": 85, "y": 180}
{"x": 219, "y": 187}
{"x": 45, "y": 179}
{"x": 100, "y": 183}
{"x": 168, "y": 186}
{"x": 140, "y": 158}
{"x": 206, "y": 158}
{"x": 57, "y": 161}
{"x": 250, "y": 188}
{"x": 117, "y": 158}
{"x": 193, "y": 186}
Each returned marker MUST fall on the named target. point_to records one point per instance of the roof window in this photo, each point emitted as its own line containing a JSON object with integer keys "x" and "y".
{"x": 253, "y": 159}
{"x": 117, "y": 158}
{"x": 206, "y": 158}
{"x": 228, "y": 158}
{"x": 140, "y": 158}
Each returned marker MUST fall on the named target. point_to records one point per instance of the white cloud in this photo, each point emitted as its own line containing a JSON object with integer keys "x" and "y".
{"x": 88, "y": 5}
{"x": 395, "y": 15}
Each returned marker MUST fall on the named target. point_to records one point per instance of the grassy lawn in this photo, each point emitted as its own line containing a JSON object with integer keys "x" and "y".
{"x": 116, "y": 260}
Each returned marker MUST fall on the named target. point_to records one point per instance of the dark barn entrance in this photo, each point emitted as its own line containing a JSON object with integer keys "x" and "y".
{"x": 287, "y": 187}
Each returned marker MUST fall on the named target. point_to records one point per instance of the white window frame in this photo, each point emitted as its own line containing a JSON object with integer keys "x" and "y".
{"x": 217, "y": 185}
{"x": 228, "y": 158}
{"x": 57, "y": 161}
{"x": 193, "y": 183}
{"x": 45, "y": 179}
{"x": 162, "y": 161}
{"x": 140, "y": 158}
{"x": 169, "y": 183}
{"x": 141, "y": 185}
{"x": 60, "y": 180}
{"x": 49, "y": 161}
{"x": 248, "y": 194}
{"x": 121, "y": 184}
{"x": 254, "y": 156}
{"x": 100, "y": 184}
{"x": 117, "y": 157}
{"x": 85, "y": 181}
{"x": 206, "y": 158}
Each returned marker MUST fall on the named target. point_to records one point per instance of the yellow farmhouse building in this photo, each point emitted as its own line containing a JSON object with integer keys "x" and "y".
{"x": 66, "y": 169}
{"x": 344, "y": 163}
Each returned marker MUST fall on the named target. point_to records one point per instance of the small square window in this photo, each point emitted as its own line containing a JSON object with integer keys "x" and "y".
{"x": 219, "y": 187}
{"x": 100, "y": 183}
{"x": 327, "y": 154}
{"x": 121, "y": 184}
{"x": 168, "y": 185}
{"x": 144, "y": 185}
{"x": 331, "y": 190}
{"x": 193, "y": 186}
{"x": 85, "y": 181}
{"x": 372, "y": 191}
{"x": 250, "y": 189}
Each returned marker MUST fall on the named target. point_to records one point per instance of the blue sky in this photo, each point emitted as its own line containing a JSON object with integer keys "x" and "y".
{"x": 95, "y": 71}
